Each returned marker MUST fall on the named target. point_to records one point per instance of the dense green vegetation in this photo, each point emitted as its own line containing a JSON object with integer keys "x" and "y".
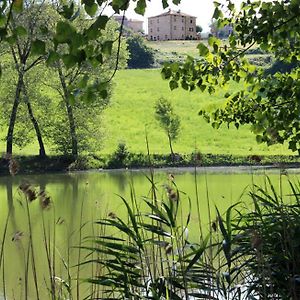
{"x": 130, "y": 116}
{"x": 270, "y": 101}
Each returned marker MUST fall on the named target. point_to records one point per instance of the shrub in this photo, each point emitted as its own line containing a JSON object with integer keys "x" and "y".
{"x": 141, "y": 56}
{"x": 118, "y": 158}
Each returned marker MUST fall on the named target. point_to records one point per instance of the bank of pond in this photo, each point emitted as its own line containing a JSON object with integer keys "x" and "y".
{"x": 122, "y": 159}
{"x": 140, "y": 234}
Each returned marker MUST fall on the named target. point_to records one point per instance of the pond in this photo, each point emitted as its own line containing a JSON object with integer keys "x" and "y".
{"x": 78, "y": 199}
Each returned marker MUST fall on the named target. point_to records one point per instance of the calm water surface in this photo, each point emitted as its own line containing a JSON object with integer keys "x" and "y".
{"x": 81, "y": 198}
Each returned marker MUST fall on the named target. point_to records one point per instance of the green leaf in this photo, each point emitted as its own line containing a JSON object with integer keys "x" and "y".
{"x": 20, "y": 31}
{"x": 165, "y": 4}
{"x": 118, "y": 5}
{"x": 2, "y": 20}
{"x": 69, "y": 61}
{"x": 67, "y": 11}
{"x": 198, "y": 254}
{"x": 107, "y": 47}
{"x": 259, "y": 139}
{"x": 83, "y": 82}
{"x": 214, "y": 41}
{"x": 140, "y": 7}
{"x": 217, "y": 14}
{"x": 203, "y": 50}
{"x": 53, "y": 57}
{"x": 173, "y": 85}
{"x": 64, "y": 32}
{"x": 91, "y": 10}
{"x": 11, "y": 39}
{"x": 44, "y": 29}
{"x": 202, "y": 87}
{"x": 38, "y": 48}
{"x": 17, "y": 6}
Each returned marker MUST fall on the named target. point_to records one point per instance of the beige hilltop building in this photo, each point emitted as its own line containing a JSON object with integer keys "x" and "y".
{"x": 172, "y": 25}
{"x": 135, "y": 25}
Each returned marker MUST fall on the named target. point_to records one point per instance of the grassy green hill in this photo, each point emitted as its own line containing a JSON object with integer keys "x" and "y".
{"x": 131, "y": 114}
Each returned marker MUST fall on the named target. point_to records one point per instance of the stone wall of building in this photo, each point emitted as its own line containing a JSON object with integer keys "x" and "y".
{"x": 172, "y": 26}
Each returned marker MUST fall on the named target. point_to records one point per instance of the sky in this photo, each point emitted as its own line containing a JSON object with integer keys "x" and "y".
{"x": 202, "y": 9}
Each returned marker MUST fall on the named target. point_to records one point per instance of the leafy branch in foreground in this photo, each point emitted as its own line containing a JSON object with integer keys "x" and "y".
{"x": 80, "y": 44}
{"x": 268, "y": 102}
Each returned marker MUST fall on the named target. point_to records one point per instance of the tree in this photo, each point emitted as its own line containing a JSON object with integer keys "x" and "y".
{"x": 141, "y": 56}
{"x": 27, "y": 49}
{"x": 24, "y": 132}
{"x": 270, "y": 103}
{"x": 199, "y": 28}
{"x": 168, "y": 120}
{"x": 83, "y": 106}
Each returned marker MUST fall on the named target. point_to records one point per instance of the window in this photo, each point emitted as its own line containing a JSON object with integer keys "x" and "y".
{"x": 157, "y": 20}
{"x": 182, "y": 19}
{"x": 191, "y": 21}
{"x": 166, "y": 37}
{"x": 174, "y": 27}
{"x": 151, "y": 22}
{"x": 151, "y": 38}
{"x": 151, "y": 30}
{"x": 157, "y": 29}
{"x": 182, "y": 28}
{"x": 174, "y": 18}
{"x": 158, "y": 37}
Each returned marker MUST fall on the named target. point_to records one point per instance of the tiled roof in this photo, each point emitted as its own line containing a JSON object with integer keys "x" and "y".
{"x": 173, "y": 13}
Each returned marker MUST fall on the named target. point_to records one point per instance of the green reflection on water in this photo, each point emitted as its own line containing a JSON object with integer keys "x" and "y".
{"x": 97, "y": 193}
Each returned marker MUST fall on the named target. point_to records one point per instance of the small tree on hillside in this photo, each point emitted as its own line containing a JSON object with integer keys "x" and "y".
{"x": 168, "y": 120}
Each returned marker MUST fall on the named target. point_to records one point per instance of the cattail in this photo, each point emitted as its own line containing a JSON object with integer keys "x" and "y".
{"x": 28, "y": 191}
{"x": 171, "y": 177}
{"x": 256, "y": 240}
{"x": 60, "y": 221}
{"x": 45, "y": 200}
{"x": 13, "y": 166}
{"x": 17, "y": 236}
{"x": 172, "y": 194}
{"x": 168, "y": 249}
{"x": 112, "y": 215}
{"x": 214, "y": 226}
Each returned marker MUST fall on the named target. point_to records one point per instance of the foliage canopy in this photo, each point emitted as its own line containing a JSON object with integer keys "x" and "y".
{"x": 270, "y": 103}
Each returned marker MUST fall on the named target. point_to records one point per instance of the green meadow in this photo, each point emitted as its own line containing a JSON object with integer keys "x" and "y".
{"x": 130, "y": 117}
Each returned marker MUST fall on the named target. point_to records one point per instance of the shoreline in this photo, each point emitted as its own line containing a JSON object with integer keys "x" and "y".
{"x": 140, "y": 162}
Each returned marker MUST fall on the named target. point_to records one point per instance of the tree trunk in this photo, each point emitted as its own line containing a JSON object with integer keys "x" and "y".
{"x": 42, "y": 151}
{"x": 171, "y": 148}
{"x": 13, "y": 116}
{"x": 69, "y": 113}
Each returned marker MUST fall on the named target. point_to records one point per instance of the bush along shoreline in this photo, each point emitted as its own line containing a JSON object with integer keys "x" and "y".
{"x": 127, "y": 160}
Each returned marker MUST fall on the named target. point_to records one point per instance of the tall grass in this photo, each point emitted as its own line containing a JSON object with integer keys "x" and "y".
{"x": 247, "y": 253}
